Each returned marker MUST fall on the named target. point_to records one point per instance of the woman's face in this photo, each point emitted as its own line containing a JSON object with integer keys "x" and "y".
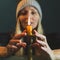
{"x": 24, "y": 15}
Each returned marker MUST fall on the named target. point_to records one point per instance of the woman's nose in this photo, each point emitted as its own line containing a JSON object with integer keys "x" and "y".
{"x": 28, "y": 15}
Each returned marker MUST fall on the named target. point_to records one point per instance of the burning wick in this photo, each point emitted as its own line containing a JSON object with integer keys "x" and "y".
{"x": 29, "y": 27}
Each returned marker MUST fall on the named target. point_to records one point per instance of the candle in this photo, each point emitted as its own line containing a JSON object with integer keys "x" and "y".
{"x": 29, "y": 30}
{"x": 29, "y": 27}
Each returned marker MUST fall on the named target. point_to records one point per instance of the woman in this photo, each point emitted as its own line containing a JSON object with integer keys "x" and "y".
{"x": 26, "y": 9}
{"x": 18, "y": 45}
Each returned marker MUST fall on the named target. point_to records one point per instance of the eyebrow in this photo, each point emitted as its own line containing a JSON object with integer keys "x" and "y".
{"x": 25, "y": 10}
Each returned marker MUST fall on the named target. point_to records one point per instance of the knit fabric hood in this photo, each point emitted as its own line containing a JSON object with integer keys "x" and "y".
{"x": 23, "y": 3}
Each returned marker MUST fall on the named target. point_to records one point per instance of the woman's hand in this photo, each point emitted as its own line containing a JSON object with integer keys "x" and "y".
{"x": 15, "y": 43}
{"x": 42, "y": 47}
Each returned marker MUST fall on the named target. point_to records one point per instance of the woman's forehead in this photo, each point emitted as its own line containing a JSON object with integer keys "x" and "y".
{"x": 30, "y": 8}
{"x": 27, "y": 8}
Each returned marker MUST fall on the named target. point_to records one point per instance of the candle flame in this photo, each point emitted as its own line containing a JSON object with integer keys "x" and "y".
{"x": 29, "y": 18}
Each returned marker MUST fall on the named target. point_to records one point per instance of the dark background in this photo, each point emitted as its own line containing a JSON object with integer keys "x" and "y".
{"x": 50, "y": 21}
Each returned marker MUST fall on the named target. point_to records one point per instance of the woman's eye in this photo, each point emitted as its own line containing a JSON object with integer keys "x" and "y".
{"x": 33, "y": 13}
{"x": 24, "y": 12}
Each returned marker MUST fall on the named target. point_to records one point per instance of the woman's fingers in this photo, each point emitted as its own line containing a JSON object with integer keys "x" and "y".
{"x": 39, "y": 36}
{"x": 42, "y": 43}
{"x": 18, "y": 36}
{"x": 35, "y": 45}
{"x": 14, "y": 41}
{"x": 17, "y": 43}
{"x": 44, "y": 49}
{"x": 39, "y": 44}
{"x": 22, "y": 44}
{"x": 12, "y": 46}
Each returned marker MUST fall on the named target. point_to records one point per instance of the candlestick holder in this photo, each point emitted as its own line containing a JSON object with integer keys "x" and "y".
{"x": 29, "y": 34}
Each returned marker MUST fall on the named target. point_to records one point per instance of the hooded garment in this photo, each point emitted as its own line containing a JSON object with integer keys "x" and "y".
{"x": 22, "y": 4}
